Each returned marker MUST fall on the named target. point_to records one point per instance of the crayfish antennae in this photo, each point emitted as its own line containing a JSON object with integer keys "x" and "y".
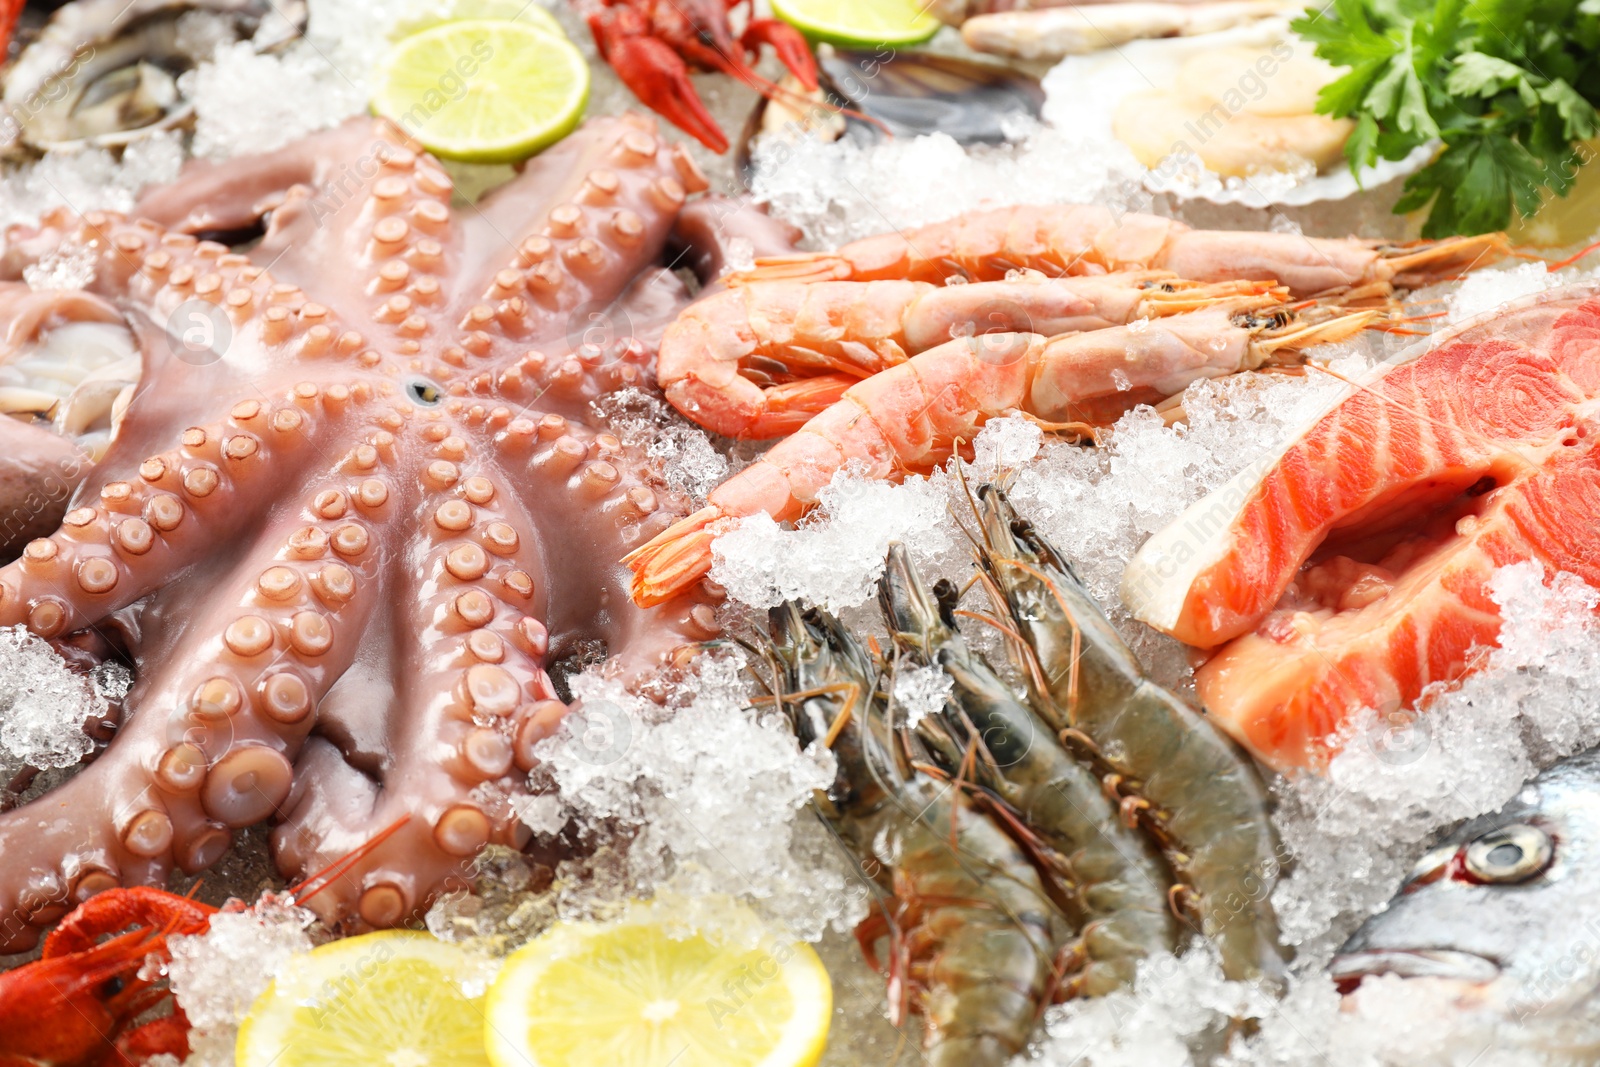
{"x": 299, "y": 892}
{"x": 1551, "y": 268}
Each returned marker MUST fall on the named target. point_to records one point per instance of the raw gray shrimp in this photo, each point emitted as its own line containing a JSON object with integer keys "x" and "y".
{"x": 972, "y": 932}
{"x": 1119, "y": 882}
{"x": 1195, "y": 789}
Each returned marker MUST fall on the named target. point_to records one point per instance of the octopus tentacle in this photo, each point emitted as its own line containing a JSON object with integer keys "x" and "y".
{"x": 576, "y": 469}
{"x": 111, "y": 553}
{"x": 614, "y": 195}
{"x": 473, "y": 660}
{"x": 211, "y": 749}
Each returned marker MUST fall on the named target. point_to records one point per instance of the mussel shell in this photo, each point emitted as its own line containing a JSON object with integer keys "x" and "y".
{"x": 103, "y": 72}
{"x": 914, "y": 93}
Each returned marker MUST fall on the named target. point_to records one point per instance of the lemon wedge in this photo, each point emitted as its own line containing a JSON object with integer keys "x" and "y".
{"x": 390, "y": 999}
{"x": 860, "y": 23}
{"x": 438, "y": 12}
{"x": 483, "y": 90}
{"x": 636, "y": 993}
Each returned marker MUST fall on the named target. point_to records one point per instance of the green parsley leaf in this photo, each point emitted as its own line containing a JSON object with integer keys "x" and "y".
{"x": 1509, "y": 86}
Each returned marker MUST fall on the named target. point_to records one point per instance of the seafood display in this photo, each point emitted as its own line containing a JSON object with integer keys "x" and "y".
{"x": 897, "y": 607}
{"x": 912, "y": 416}
{"x": 817, "y": 345}
{"x": 1350, "y": 571}
{"x": 309, "y": 499}
{"x": 1101, "y": 806}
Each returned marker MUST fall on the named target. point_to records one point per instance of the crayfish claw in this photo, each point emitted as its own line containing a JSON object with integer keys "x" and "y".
{"x": 659, "y": 77}
{"x": 790, "y": 46}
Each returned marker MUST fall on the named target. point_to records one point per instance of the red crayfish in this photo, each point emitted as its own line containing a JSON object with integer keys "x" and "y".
{"x": 78, "y": 1003}
{"x": 652, "y": 44}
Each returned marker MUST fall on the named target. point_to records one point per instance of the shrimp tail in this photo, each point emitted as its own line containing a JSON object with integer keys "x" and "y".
{"x": 802, "y": 267}
{"x": 674, "y": 559}
{"x": 1422, "y": 263}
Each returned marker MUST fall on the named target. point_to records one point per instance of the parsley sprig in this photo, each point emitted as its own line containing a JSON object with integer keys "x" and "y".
{"x": 1509, "y": 86}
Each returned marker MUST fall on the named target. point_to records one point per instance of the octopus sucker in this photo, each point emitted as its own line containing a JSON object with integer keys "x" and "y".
{"x": 349, "y": 541}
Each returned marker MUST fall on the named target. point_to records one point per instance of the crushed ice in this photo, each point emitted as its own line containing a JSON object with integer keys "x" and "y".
{"x": 67, "y": 266}
{"x": 247, "y": 102}
{"x": 44, "y": 705}
{"x": 1484, "y": 290}
{"x": 217, "y": 975}
{"x": 835, "y": 555}
{"x": 88, "y": 180}
{"x": 920, "y": 691}
{"x": 707, "y": 794}
{"x": 843, "y": 191}
{"x": 680, "y": 451}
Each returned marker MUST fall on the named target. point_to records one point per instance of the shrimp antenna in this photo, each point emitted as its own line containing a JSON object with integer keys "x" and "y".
{"x": 1570, "y": 260}
{"x": 972, "y": 503}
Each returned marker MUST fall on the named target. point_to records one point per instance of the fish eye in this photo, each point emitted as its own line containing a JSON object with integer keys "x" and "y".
{"x": 1510, "y": 854}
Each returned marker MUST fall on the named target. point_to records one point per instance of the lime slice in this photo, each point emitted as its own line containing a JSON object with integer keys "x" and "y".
{"x": 391, "y": 999}
{"x": 860, "y": 23}
{"x": 527, "y": 12}
{"x": 483, "y": 90}
{"x": 634, "y": 993}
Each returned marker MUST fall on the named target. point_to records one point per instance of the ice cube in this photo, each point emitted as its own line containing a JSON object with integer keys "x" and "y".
{"x": 43, "y": 704}
{"x": 248, "y": 103}
{"x": 1484, "y": 290}
{"x": 920, "y": 692}
{"x": 217, "y": 975}
{"x": 706, "y": 797}
{"x": 835, "y": 555}
{"x": 1003, "y": 445}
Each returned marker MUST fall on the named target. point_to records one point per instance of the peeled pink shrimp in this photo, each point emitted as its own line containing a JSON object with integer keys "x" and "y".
{"x": 1089, "y": 239}
{"x": 912, "y": 416}
{"x": 759, "y": 360}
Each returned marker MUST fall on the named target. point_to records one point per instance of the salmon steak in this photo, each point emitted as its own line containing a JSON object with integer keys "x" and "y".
{"x": 1351, "y": 569}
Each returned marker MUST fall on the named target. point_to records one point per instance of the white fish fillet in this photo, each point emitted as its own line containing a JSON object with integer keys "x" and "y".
{"x": 1055, "y": 32}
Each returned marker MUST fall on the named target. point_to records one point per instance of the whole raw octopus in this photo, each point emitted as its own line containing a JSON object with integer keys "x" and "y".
{"x": 343, "y": 531}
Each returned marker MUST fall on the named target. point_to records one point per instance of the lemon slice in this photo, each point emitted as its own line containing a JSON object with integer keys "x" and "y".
{"x": 860, "y": 23}
{"x": 391, "y": 999}
{"x": 439, "y": 12}
{"x": 632, "y": 994}
{"x": 483, "y": 90}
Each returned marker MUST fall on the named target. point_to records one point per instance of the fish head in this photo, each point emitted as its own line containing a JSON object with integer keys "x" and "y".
{"x": 1504, "y": 912}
